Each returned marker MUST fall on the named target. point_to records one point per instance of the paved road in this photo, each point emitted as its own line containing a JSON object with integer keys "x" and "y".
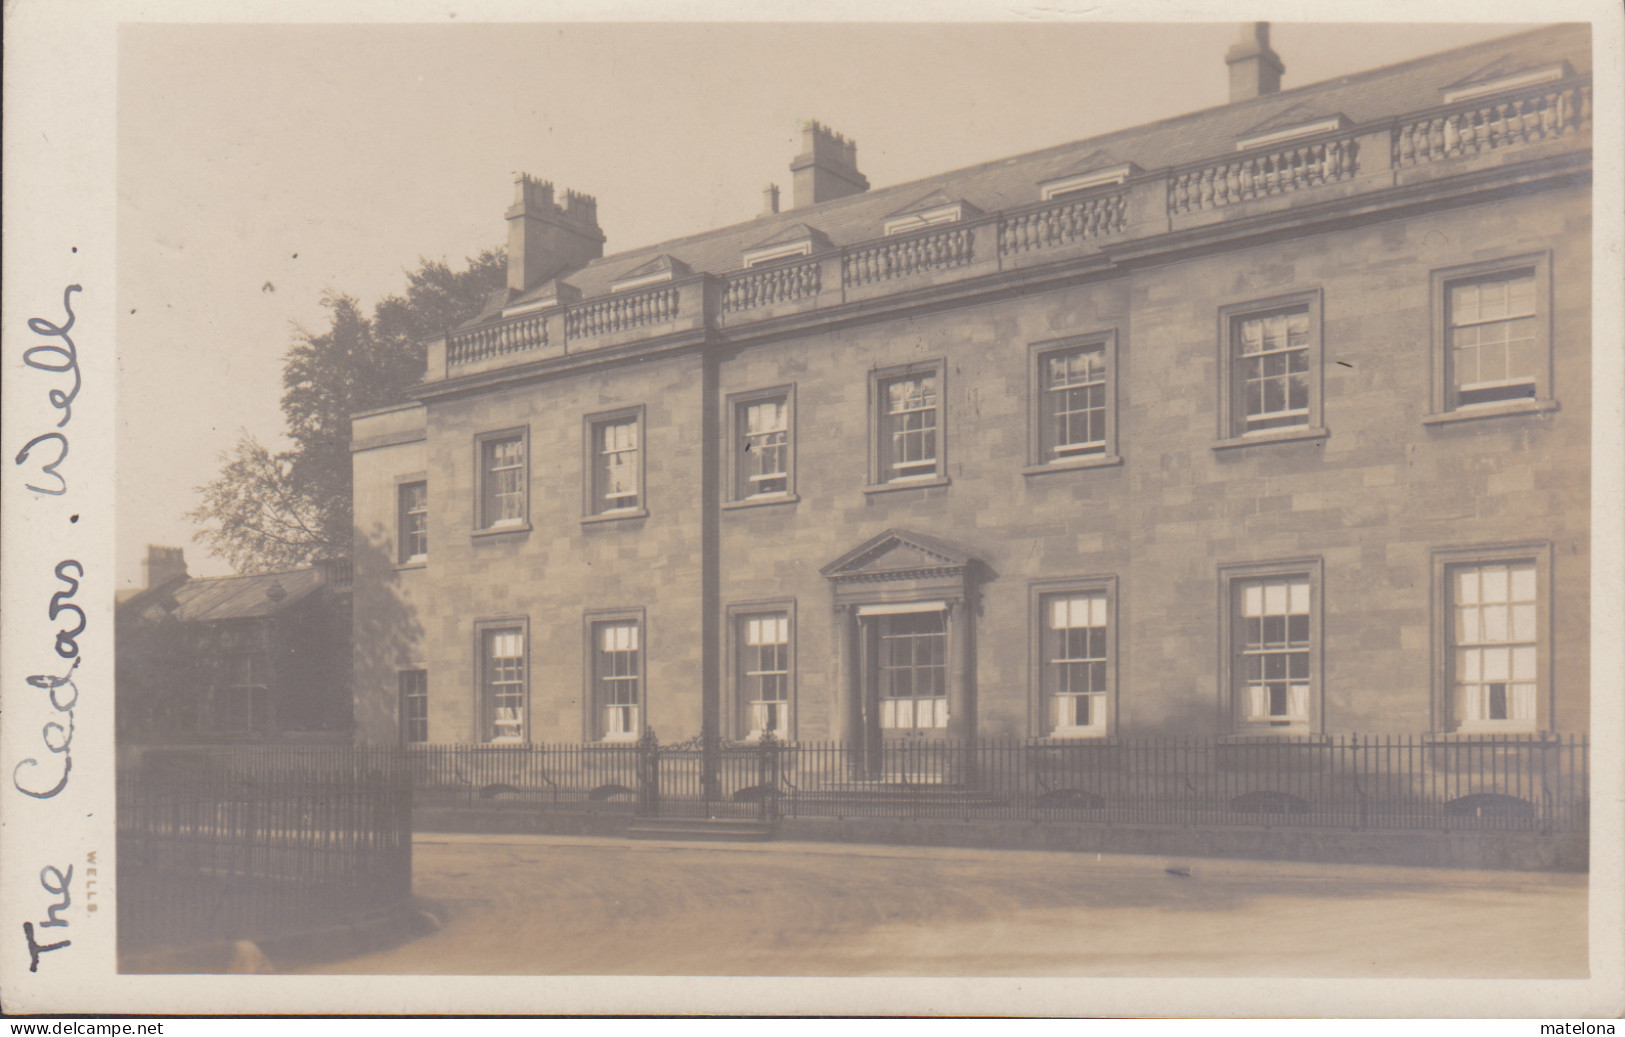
{"x": 555, "y": 905}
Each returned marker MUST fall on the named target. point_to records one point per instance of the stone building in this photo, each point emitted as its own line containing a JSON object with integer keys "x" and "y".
{"x": 1267, "y": 420}
{"x": 257, "y": 659}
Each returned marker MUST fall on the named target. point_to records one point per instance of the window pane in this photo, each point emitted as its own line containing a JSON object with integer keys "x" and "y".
{"x": 1253, "y": 601}
{"x": 1523, "y": 663}
{"x": 1275, "y": 599}
{"x": 1523, "y": 623}
{"x": 1467, "y": 626}
{"x": 1467, "y": 664}
{"x": 1523, "y": 582}
{"x": 1467, "y": 586}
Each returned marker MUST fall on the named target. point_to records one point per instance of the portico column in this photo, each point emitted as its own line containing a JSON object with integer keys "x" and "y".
{"x": 961, "y": 673}
{"x": 848, "y": 728}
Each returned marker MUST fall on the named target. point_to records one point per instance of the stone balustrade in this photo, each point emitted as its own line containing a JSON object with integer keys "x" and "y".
{"x": 621, "y": 313}
{"x": 1496, "y": 122}
{"x": 765, "y": 286}
{"x": 1062, "y": 223}
{"x": 903, "y": 257}
{"x": 1152, "y": 204}
{"x": 1259, "y": 176}
{"x": 510, "y": 336}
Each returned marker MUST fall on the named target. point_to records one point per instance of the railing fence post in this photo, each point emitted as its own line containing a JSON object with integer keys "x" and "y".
{"x": 648, "y": 764}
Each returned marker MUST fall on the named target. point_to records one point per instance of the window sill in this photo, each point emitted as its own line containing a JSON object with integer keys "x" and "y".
{"x": 1284, "y": 435}
{"x": 616, "y": 516}
{"x": 908, "y": 484}
{"x": 420, "y": 563}
{"x": 1521, "y": 731}
{"x": 1081, "y": 734}
{"x": 1507, "y": 409}
{"x": 1274, "y": 736}
{"x": 496, "y": 531}
{"x": 617, "y": 741}
{"x": 764, "y": 501}
{"x": 1072, "y": 464}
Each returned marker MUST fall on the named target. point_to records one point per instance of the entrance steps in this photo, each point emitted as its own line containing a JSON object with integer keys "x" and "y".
{"x": 702, "y": 829}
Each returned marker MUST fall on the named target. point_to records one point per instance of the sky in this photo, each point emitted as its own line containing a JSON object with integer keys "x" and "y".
{"x": 262, "y": 168}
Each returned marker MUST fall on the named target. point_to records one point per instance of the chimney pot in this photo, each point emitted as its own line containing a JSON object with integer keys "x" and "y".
{"x": 770, "y": 199}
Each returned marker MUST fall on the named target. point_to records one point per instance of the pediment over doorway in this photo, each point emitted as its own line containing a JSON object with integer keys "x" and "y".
{"x": 899, "y": 554}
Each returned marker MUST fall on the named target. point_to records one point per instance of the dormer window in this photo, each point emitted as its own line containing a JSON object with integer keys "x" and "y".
{"x": 757, "y": 257}
{"x": 932, "y": 210}
{"x": 1293, "y": 124}
{"x": 657, "y": 271}
{"x": 546, "y": 296}
{"x": 930, "y": 218}
{"x": 1501, "y": 76}
{"x": 1048, "y": 190}
{"x": 798, "y": 239}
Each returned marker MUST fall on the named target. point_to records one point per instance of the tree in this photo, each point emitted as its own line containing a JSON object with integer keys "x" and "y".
{"x": 258, "y": 516}
{"x": 268, "y": 511}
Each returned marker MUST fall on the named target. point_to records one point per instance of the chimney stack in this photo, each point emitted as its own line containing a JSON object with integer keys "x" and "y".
{"x": 826, "y": 169}
{"x": 545, "y": 239}
{"x": 1255, "y": 69}
{"x": 163, "y": 565}
{"x": 770, "y": 200}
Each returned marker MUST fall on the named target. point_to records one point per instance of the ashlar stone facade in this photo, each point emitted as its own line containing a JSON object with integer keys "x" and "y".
{"x": 1270, "y": 420}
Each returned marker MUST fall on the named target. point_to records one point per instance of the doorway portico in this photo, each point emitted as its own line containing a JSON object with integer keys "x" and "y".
{"x": 904, "y": 608}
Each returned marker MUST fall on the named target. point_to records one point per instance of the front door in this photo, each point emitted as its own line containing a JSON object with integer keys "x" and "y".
{"x": 904, "y": 690}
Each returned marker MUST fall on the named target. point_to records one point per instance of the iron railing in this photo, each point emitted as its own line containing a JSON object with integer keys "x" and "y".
{"x": 1511, "y": 783}
{"x": 227, "y": 844}
{"x": 1389, "y": 782}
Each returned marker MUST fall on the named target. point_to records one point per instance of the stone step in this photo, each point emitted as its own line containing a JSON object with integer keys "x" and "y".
{"x": 701, "y": 829}
{"x": 871, "y": 791}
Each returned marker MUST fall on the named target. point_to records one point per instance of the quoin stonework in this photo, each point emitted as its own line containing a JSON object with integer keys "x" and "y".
{"x": 1267, "y": 421}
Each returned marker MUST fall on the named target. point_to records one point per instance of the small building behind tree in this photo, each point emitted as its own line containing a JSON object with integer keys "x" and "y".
{"x": 256, "y": 658}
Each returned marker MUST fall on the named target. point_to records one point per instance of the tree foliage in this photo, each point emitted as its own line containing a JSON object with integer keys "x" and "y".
{"x": 267, "y": 510}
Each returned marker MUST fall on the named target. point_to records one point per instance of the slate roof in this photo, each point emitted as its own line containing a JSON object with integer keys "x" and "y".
{"x": 206, "y": 599}
{"x": 1297, "y": 115}
{"x": 658, "y": 265}
{"x": 1210, "y": 133}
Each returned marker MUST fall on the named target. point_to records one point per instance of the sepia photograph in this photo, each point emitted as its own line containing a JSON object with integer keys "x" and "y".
{"x": 848, "y": 499}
